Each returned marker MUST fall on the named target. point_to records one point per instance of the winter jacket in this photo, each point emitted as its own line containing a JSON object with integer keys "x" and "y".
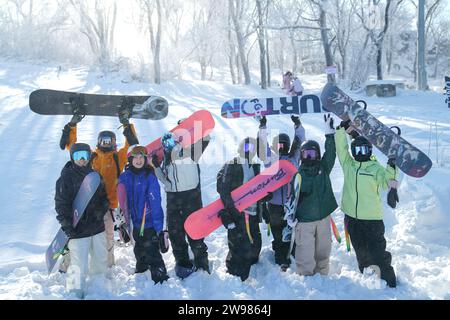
{"x": 105, "y": 164}
{"x": 67, "y": 186}
{"x": 230, "y": 177}
{"x": 316, "y": 200}
{"x": 268, "y": 157}
{"x": 143, "y": 193}
{"x": 183, "y": 173}
{"x": 362, "y": 182}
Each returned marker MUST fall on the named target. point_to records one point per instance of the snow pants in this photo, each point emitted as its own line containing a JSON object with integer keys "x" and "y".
{"x": 80, "y": 251}
{"x": 146, "y": 250}
{"x": 313, "y": 247}
{"x": 243, "y": 251}
{"x": 277, "y": 224}
{"x": 179, "y": 206}
{"x": 367, "y": 238}
{"x": 109, "y": 231}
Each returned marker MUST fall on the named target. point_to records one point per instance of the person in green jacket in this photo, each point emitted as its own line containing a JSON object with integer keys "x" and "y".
{"x": 316, "y": 203}
{"x": 364, "y": 177}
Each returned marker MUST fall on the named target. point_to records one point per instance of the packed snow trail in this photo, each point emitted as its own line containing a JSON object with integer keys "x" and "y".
{"x": 417, "y": 232}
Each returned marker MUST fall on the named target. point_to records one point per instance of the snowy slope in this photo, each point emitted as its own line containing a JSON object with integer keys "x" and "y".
{"x": 418, "y": 231}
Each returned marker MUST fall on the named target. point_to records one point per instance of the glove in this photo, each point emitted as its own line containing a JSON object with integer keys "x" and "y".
{"x": 129, "y": 135}
{"x": 263, "y": 122}
{"x": 69, "y": 231}
{"x": 227, "y": 219}
{"x": 392, "y": 198}
{"x": 296, "y": 120}
{"x": 125, "y": 110}
{"x": 163, "y": 238}
{"x": 265, "y": 213}
{"x": 391, "y": 162}
{"x": 76, "y": 118}
{"x": 65, "y": 137}
{"x": 345, "y": 124}
{"x": 329, "y": 124}
{"x": 155, "y": 162}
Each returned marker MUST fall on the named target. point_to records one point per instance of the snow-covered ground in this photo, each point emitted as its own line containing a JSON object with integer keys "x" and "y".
{"x": 417, "y": 232}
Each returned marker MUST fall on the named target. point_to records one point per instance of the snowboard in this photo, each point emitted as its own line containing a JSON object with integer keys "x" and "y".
{"x": 188, "y": 132}
{"x": 240, "y": 108}
{"x": 290, "y": 207}
{"x": 54, "y": 102}
{"x": 204, "y": 221}
{"x": 447, "y": 91}
{"x": 408, "y": 158}
{"x": 58, "y": 245}
{"x": 125, "y": 224}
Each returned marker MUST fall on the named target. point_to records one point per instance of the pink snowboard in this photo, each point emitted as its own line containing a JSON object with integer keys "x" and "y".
{"x": 204, "y": 221}
{"x": 192, "y": 129}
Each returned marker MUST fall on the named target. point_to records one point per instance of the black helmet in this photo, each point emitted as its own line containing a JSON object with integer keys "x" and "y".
{"x": 281, "y": 143}
{"x": 80, "y": 151}
{"x": 106, "y": 141}
{"x": 310, "y": 152}
{"x": 361, "y": 149}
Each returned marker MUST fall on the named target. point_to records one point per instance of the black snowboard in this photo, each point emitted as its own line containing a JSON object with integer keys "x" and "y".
{"x": 54, "y": 102}
{"x": 408, "y": 158}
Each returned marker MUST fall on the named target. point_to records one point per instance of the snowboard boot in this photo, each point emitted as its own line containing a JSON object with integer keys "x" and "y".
{"x": 184, "y": 269}
{"x": 202, "y": 264}
{"x": 159, "y": 274}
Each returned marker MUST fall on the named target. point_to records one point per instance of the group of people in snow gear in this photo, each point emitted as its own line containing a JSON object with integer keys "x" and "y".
{"x": 364, "y": 177}
{"x": 130, "y": 176}
{"x": 292, "y": 84}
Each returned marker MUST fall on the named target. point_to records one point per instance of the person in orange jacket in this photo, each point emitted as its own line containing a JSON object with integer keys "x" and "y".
{"x": 109, "y": 163}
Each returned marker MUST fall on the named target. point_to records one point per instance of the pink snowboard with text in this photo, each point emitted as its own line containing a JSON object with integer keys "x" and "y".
{"x": 204, "y": 221}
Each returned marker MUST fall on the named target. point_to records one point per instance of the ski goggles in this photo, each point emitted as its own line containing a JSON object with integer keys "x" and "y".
{"x": 311, "y": 154}
{"x": 81, "y": 155}
{"x": 139, "y": 151}
{"x": 105, "y": 141}
{"x": 362, "y": 150}
{"x": 249, "y": 147}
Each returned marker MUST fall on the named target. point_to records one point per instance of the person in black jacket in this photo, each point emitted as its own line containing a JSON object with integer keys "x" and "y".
{"x": 88, "y": 237}
{"x": 244, "y": 236}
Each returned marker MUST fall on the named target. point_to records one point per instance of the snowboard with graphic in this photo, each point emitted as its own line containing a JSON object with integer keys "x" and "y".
{"x": 241, "y": 108}
{"x": 189, "y": 131}
{"x": 58, "y": 245}
{"x": 290, "y": 207}
{"x": 55, "y": 102}
{"x": 408, "y": 158}
{"x": 204, "y": 221}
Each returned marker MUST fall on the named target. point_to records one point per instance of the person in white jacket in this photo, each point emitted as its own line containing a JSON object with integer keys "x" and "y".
{"x": 297, "y": 88}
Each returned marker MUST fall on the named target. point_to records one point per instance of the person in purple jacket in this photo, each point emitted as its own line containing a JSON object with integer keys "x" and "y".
{"x": 281, "y": 149}
{"x": 143, "y": 212}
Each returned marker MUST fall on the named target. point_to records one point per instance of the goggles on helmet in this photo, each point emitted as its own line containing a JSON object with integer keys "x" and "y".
{"x": 81, "y": 155}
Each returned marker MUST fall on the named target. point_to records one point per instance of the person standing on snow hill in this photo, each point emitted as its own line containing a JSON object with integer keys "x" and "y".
{"x": 143, "y": 207}
{"x": 180, "y": 174}
{"x": 297, "y": 88}
{"x": 315, "y": 204}
{"x": 107, "y": 161}
{"x": 282, "y": 150}
{"x": 361, "y": 202}
{"x": 287, "y": 78}
{"x": 244, "y": 236}
{"x": 88, "y": 237}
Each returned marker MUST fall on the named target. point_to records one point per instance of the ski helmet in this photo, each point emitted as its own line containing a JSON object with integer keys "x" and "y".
{"x": 361, "y": 149}
{"x": 106, "y": 141}
{"x": 80, "y": 151}
{"x": 247, "y": 148}
{"x": 281, "y": 143}
{"x": 310, "y": 152}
